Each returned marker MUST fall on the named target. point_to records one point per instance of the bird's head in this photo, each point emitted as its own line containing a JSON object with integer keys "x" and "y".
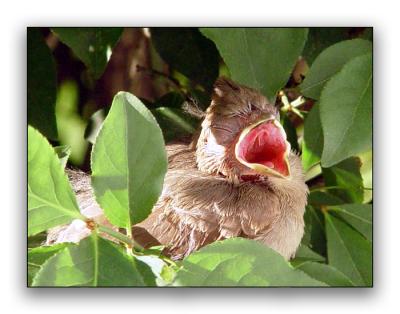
{"x": 241, "y": 137}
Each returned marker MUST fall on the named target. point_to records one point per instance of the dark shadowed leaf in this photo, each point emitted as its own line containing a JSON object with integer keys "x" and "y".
{"x": 320, "y": 198}
{"x": 262, "y": 58}
{"x": 51, "y": 201}
{"x": 314, "y": 230}
{"x": 171, "y": 100}
{"x": 325, "y": 273}
{"x": 313, "y": 142}
{"x": 346, "y": 111}
{"x": 347, "y": 177}
{"x": 128, "y": 162}
{"x": 321, "y": 38}
{"x": 189, "y": 52}
{"x": 330, "y": 62}
{"x": 239, "y": 262}
{"x": 37, "y": 240}
{"x": 357, "y": 215}
{"x": 290, "y": 133}
{"x": 175, "y": 123}
{"x": 348, "y": 251}
{"x": 93, "y": 262}
{"x": 41, "y": 85}
{"x": 93, "y": 45}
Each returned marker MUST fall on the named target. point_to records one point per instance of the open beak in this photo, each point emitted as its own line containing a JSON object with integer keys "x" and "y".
{"x": 263, "y": 147}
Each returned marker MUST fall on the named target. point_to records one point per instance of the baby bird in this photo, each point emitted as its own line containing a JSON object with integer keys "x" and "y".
{"x": 239, "y": 178}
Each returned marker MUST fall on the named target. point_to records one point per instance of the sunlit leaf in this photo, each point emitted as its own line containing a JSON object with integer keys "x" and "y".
{"x": 366, "y": 173}
{"x": 71, "y": 126}
{"x": 128, "y": 162}
{"x": 63, "y": 153}
{"x": 94, "y": 125}
{"x": 51, "y": 201}
{"x": 94, "y": 262}
{"x": 239, "y": 262}
{"x": 37, "y": 256}
{"x": 262, "y": 58}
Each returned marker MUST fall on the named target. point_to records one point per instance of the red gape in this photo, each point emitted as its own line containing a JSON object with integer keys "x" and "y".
{"x": 265, "y": 145}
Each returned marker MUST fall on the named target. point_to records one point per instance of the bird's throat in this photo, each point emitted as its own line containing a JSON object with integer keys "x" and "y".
{"x": 263, "y": 147}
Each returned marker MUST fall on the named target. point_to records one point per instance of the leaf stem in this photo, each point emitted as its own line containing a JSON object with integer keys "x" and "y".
{"x": 119, "y": 236}
{"x": 321, "y": 188}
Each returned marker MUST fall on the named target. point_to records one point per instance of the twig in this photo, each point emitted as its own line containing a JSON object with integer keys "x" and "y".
{"x": 140, "y": 68}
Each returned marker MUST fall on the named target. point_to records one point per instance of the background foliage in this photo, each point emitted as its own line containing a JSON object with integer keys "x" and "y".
{"x": 74, "y": 76}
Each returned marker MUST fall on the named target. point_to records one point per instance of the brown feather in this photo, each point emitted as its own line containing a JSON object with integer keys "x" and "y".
{"x": 204, "y": 196}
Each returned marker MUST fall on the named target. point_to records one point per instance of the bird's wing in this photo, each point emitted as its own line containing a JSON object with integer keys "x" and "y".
{"x": 183, "y": 219}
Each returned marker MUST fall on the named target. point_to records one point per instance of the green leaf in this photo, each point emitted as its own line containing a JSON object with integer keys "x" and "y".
{"x": 330, "y": 62}
{"x": 171, "y": 100}
{"x": 37, "y": 240}
{"x": 41, "y": 85}
{"x": 128, "y": 162}
{"x": 175, "y": 123}
{"x": 313, "y": 141}
{"x": 37, "y": 256}
{"x": 262, "y": 58}
{"x": 239, "y": 262}
{"x": 348, "y": 251}
{"x": 366, "y": 173}
{"x": 51, "y": 201}
{"x": 290, "y": 132}
{"x": 94, "y": 262}
{"x": 346, "y": 111}
{"x": 347, "y": 177}
{"x": 320, "y": 38}
{"x": 93, "y": 45}
{"x": 189, "y": 52}
{"x": 357, "y": 215}
{"x": 63, "y": 153}
{"x": 319, "y": 198}
{"x": 94, "y": 125}
{"x": 71, "y": 125}
{"x": 326, "y": 273}
{"x": 314, "y": 230}
{"x": 305, "y": 254}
